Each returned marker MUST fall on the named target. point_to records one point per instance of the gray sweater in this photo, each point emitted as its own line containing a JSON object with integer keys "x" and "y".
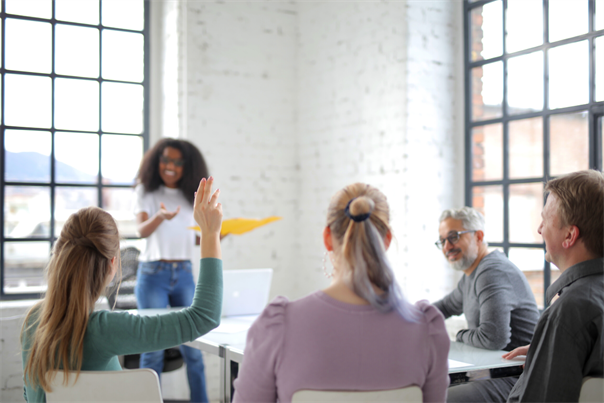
{"x": 498, "y": 304}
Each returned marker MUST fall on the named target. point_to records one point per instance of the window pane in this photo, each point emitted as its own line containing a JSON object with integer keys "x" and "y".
{"x": 489, "y": 201}
{"x": 487, "y": 91}
{"x": 77, "y": 157}
{"x": 32, "y": 8}
{"x": 531, "y": 262}
{"x": 487, "y": 152}
{"x": 24, "y": 264}
{"x": 599, "y": 56}
{"x": 599, "y": 17}
{"x": 524, "y": 19}
{"x": 124, "y": 14}
{"x": 68, "y": 200}
{"x": 525, "y": 83}
{"x": 28, "y": 46}
{"x": 567, "y": 18}
{"x": 569, "y": 143}
{"x": 526, "y": 148}
{"x": 26, "y": 211}
{"x": 526, "y": 203}
{"x": 27, "y": 156}
{"x": 76, "y": 104}
{"x": 121, "y": 157}
{"x": 25, "y": 94}
{"x": 77, "y": 51}
{"x": 487, "y": 31}
{"x": 86, "y": 12}
{"x": 122, "y": 108}
{"x": 118, "y": 203}
{"x": 123, "y": 56}
{"x": 569, "y": 75}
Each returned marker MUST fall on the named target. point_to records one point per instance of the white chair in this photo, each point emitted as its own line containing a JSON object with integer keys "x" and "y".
{"x": 135, "y": 385}
{"x": 408, "y": 394}
{"x": 592, "y": 390}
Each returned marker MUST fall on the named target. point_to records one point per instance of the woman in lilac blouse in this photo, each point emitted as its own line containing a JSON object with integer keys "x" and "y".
{"x": 357, "y": 334}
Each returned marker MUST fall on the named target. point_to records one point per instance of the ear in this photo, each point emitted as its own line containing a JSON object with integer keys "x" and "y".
{"x": 113, "y": 265}
{"x": 387, "y": 240}
{"x": 479, "y": 236}
{"x": 327, "y": 240}
{"x": 571, "y": 237}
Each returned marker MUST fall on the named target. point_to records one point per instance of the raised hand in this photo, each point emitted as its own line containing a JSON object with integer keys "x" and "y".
{"x": 208, "y": 215}
{"x": 165, "y": 214}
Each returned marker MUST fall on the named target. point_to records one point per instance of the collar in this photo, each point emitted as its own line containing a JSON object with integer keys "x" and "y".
{"x": 574, "y": 273}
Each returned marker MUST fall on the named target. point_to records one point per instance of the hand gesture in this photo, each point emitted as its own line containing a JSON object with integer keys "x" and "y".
{"x": 165, "y": 214}
{"x": 208, "y": 215}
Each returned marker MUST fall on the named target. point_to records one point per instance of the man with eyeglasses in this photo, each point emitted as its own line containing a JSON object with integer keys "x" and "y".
{"x": 493, "y": 294}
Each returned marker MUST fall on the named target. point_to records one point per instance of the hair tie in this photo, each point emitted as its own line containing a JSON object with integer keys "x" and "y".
{"x": 355, "y": 218}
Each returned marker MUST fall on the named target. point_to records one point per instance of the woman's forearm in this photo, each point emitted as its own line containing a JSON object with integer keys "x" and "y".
{"x": 147, "y": 226}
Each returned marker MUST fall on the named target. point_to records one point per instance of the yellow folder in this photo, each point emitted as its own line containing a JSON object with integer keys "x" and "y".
{"x": 238, "y": 226}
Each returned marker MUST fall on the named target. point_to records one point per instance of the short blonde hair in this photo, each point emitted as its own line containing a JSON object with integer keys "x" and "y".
{"x": 580, "y": 198}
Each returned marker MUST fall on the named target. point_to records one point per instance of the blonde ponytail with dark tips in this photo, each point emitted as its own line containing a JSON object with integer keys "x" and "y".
{"x": 358, "y": 217}
{"x": 77, "y": 273}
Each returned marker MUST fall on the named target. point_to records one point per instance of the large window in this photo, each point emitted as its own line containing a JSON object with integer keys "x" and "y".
{"x": 74, "y": 96}
{"x": 534, "y": 105}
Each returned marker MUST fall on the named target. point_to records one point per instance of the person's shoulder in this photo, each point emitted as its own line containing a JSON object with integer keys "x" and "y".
{"x": 497, "y": 263}
{"x": 580, "y": 301}
{"x": 274, "y": 312}
{"x": 431, "y": 316}
{"x": 139, "y": 189}
{"x": 102, "y": 319}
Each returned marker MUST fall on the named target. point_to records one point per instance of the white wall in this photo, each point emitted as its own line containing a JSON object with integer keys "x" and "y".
{"x": 379, "y": 102}
{"x": 290, "y": 101}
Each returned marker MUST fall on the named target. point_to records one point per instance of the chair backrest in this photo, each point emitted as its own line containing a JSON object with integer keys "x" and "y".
{"x": 592, "y": 390}
{"x": 408, "y": 394}
{"x": 137, "y": 385}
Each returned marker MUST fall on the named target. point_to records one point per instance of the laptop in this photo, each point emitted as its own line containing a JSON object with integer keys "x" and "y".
{"x": 245, "y": 291}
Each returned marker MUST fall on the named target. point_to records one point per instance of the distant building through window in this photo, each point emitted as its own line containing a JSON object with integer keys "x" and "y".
{"x": 534, "y": 102}
{"x": 74, "y": 95}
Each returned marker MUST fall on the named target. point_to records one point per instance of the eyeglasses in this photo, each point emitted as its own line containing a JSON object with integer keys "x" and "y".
{"x": 453, "y": 239}
{"x": 178, "y": 162}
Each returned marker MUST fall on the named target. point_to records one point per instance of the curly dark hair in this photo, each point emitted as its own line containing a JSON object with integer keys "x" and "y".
{"x": 194, "y": 169}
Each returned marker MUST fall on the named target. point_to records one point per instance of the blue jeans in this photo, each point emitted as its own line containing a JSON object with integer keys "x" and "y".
{"x": 163, "y": 284}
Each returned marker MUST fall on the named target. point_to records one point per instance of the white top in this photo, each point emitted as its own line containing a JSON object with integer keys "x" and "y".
{"x": 172, "y": 240}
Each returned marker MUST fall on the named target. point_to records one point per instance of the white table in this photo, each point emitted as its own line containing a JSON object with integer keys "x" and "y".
{"x": 228, "y": 342}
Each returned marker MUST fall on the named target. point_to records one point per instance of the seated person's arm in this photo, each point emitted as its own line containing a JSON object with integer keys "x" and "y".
{"x": 553, "y": 370}
{"x": 451, "y": 304}
{"x": 495, "y": 298}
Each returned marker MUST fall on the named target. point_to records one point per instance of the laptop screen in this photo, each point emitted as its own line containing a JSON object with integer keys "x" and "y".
{"x": 245, "y": 291}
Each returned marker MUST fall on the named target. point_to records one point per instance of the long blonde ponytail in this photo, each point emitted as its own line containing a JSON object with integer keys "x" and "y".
{"x": 78, "y": 271}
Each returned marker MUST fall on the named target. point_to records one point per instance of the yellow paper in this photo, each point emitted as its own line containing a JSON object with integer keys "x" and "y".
{"x": 238, "y": 226}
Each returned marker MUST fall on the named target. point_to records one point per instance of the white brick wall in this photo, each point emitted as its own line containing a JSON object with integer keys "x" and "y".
{"x": 290, "y": 101}
{"x": 379, "y": 102}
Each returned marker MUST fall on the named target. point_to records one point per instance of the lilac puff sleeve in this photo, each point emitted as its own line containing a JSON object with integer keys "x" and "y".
{"x": 437, "y": 377}
{"x": 256, "y": 381}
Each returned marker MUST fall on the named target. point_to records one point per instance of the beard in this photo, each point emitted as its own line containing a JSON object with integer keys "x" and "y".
{"x": 467, "y": 259}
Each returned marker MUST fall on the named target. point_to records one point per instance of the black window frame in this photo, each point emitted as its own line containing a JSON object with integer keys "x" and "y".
{"x": 52, "y": 184}
{"x": 594, "y": 109}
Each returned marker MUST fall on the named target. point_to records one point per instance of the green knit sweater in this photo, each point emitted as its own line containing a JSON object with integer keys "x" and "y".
{"x": 110, "y": 334}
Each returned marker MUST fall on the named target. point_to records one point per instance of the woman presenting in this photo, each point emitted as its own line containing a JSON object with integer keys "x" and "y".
{"x": 167, "y": 180}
